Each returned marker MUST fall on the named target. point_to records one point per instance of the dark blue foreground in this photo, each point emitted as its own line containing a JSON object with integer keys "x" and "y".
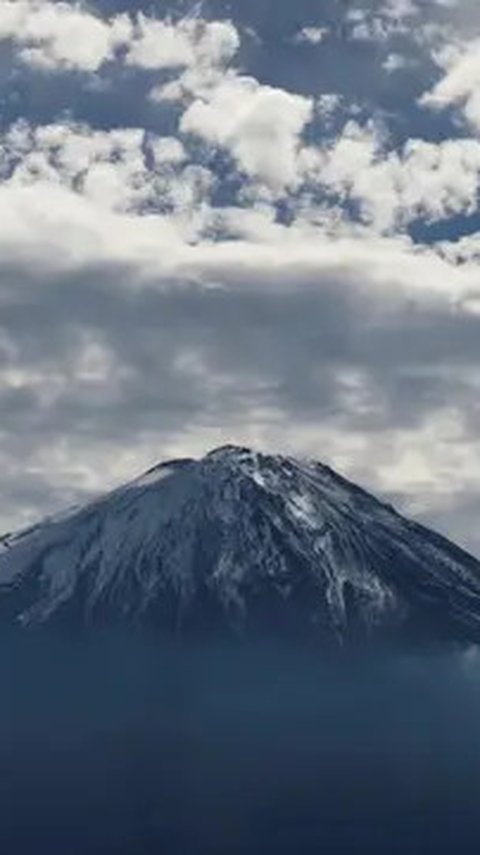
{"x": 113, "y": 747}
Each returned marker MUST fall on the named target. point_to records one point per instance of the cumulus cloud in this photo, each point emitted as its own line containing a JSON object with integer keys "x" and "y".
{"x": 92, "y": 172}
{"x": 189, "y": 42}
{"x": 260, "y": 126}
{"x": 460, "y": 85}
{"x": 95, "y": 187}
{"x": 66, "y": 36}
{"x": 235, "y": 112}
{"x": 61, "y": 35}
{"x": 426, "y": 180}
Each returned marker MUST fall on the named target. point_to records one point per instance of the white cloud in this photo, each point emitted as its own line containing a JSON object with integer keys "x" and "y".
{"x": 230, "y": 110}
{"x": 61, "y": 35}
{"x": 328, "y": 103}
{"x": 392, "y": 18}
{"x": 398, "y": 10}
{"x": 189, "y": 42}
{"x": 54, "y": 222}
{"x": 58, "y": 221}
{"x": 123, "y": 170}
{"x": 460, "y": 85}
{"x": 138, "y": 211}
{"x": 66, "y": 36}
{"x": 71, "y": 195}
{"x": 167, "y": 150}
{"x": 429, "y": 462}
{"x": 395, "y": 62}
{"x": 312, "y": 35}
{"x": 260, "y": 126}
{"x": 106, "y": 166}
{"x": 425, "y": 180}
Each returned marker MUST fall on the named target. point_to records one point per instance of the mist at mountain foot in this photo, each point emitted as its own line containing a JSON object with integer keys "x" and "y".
{"x": 116, "y": 745}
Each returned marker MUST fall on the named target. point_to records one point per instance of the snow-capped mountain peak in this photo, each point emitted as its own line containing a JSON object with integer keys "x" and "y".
{"x": 241, "y": 542}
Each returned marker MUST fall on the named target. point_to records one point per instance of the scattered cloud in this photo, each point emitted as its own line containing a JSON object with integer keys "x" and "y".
{"x": 217, "y": 246}
{"x": 312, "y": 35}
{"x": 61, "y": 35}
{"x": 68, "y": 36}
{"x": 260, "y": 126}
{"x": 426, "y": 180}
{"x": 396, "y": 62}
{"x": 380, "y": 23}
{"x": 189, "y": 42}
{"x": 460, "y": 85}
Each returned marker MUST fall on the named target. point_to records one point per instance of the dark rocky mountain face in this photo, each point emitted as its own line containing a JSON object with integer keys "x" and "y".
{"x": 241, "y": 544}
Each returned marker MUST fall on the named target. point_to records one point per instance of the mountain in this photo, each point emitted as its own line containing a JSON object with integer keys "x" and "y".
{"x": 241, "y": 543}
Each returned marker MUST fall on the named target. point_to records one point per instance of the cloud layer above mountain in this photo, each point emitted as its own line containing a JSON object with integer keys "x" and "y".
{"x": 241, "y": 222}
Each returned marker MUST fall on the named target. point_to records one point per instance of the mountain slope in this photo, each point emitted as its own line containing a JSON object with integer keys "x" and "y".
{"x": 245, "y": 543}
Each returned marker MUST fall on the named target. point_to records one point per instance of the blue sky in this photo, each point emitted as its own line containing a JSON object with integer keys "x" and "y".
{"x": 252, "y": 222}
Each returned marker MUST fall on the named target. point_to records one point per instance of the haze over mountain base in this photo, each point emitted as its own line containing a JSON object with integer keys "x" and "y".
{"x": 115, "y": 747}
